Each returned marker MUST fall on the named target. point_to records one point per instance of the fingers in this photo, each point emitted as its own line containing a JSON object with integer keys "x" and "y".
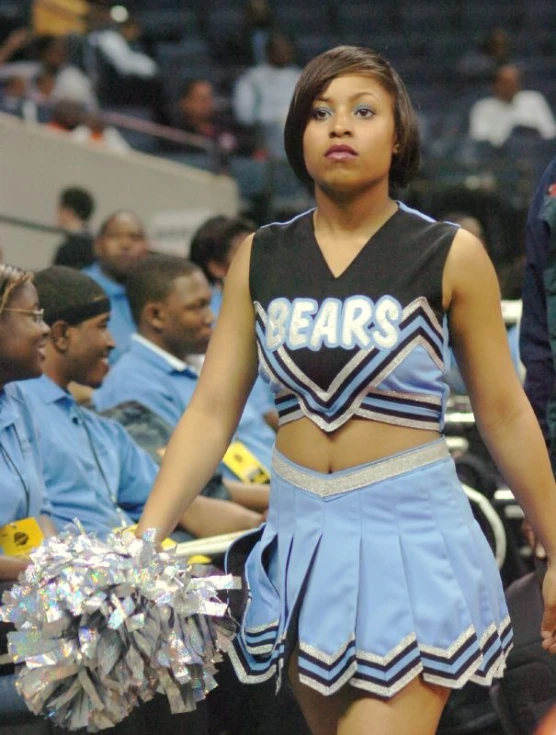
{"x": 548, "y": 630}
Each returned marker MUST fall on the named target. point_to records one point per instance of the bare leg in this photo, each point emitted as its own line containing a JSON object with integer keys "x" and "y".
{"x": 416, "y": 709}
{"x": 321, "y": 713}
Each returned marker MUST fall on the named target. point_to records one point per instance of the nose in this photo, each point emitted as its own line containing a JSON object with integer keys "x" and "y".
{"x": 341, "y": 125}
{"x": 209, "y": 316}
{"x": 110, "y": 342}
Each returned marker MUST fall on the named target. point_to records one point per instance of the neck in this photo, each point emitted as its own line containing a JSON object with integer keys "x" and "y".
{"x": 156, "y": 339}
{"x": 339, "y": 212}
{"x": 116, "y": 277}
{"x": 54, "y": 367}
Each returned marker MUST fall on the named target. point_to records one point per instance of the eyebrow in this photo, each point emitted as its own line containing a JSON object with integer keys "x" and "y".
{"x": 351, "y": 98}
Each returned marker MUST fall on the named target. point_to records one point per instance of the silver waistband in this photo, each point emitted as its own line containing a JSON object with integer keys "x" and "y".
{"x": 325, "y": 485}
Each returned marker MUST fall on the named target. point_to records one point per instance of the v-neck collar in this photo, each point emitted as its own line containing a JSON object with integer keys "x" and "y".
{"x": 357, "y": 256}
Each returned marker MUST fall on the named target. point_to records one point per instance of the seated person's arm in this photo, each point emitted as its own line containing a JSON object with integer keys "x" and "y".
{"x": 211, "y": 517}
{"x": 47, "y": 526}
{"x": 255, "y": 496}
{"x": 12, "y": 566}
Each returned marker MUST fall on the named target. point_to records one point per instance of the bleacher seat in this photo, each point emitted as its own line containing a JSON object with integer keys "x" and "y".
{"x": 185, "y": 60}
{"x": 312, "y": 44}
{"x": 295, "y": 21}
{"x": 539, "y": 15}
{"x": 165, "y": 24}
{"x": 427, "y": 15}
{"x": 478, "y": 16}
{"x": 363, "y": 18}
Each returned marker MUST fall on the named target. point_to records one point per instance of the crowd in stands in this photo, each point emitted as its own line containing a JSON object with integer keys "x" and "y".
{"x": 224, "y": 75}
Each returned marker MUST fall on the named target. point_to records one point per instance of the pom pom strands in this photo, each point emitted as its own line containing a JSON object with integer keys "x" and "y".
{"x": 103, "y": 625}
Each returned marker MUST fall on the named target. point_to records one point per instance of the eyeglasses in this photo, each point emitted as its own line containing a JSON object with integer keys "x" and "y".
{"x": 38, "y": 316}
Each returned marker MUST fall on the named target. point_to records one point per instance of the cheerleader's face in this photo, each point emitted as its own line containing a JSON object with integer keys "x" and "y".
{"x": 350, "y": 137}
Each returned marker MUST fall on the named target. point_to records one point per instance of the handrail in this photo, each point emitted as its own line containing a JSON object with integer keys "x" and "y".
{"x": 157, "y": 130}
{"x": 32, "y": 225}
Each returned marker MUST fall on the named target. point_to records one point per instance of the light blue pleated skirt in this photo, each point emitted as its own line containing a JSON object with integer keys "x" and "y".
{"x": 378, "y": 574}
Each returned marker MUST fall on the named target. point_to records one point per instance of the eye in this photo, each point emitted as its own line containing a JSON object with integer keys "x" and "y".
{"x": 320, "y": 113}
{"x": 364, "y": 112}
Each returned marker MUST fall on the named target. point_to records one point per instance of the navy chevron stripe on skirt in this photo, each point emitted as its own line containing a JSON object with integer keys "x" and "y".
{"x": 377, "y": 574}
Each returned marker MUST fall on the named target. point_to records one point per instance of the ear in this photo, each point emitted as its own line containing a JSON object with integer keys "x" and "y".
{"x": 217, "y": 270}
{"x": 396, "y": 148}
{"x": 96, "y": 248}
{"x": 59, "y": 336}
{"x": 154, "y": 315}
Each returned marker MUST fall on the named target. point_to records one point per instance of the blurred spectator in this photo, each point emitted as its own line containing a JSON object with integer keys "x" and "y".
{"x": 479, "y": 65}
{"x": 68, "y": 82}
{"x": 120, "y": 244}
{"x": 494, "y": 119}
{"x": 66, "y": 116}
{"x": 73, "y": 213}
{"x": 262, "y": 95}
{"x": 94, "y": 131}
{"x": 59, "y": 17}
{"x": 213, "y": 247}
{"x": 127, "y": 74}
{"x": 198, "y": 114}
{"x": 14, "y": 100}
{"x": 170, "y": 301}
{"x": 120, "y": 46}
{"x": 246, "y": 45}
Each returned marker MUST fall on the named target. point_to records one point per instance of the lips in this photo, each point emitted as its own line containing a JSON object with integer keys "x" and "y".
{"x": 341, "y": 153}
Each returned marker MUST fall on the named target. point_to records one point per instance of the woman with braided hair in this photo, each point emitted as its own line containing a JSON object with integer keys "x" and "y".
{"x": 24, "y": 510}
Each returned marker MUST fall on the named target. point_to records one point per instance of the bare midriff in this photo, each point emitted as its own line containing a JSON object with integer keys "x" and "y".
{"x": 357, "y": 442}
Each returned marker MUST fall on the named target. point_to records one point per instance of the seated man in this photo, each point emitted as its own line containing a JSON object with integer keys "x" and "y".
{"x": 93, "y": 470}
{"x": 493, "y": 119}
{"x": 120, "y": 244}
{"x": 170, "y": 301}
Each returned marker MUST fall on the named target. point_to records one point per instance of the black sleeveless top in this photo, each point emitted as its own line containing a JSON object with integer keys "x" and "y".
{"x": 370, "y": 342}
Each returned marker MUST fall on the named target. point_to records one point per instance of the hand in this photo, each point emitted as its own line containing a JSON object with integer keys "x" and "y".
{"x": 548, "y": 625}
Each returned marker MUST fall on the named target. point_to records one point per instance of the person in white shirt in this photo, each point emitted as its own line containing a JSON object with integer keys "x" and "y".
{"x": 116, "y": 45}
{"x": 494, "y": 118}
{"x": 263, "y": 93}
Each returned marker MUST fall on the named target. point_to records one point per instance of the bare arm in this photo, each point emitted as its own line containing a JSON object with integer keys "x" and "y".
{"x": 212, "y": 516}
{"x": 47, "y": 526}
{"x": 208, "y": 425}
{"x": 12, "y": 566}
{"x": 254, "y": 496}
{"x": 504, "y": 416}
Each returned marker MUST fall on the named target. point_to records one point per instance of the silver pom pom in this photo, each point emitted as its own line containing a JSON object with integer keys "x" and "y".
{"x": 102, "y": 625}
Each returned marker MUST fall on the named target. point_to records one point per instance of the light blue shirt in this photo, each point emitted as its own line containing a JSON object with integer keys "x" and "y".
{"x": 23, "y": 493}
{"x": 145, "y": 376}
{"x": 80, "y": 484}
{"x": 261, "y": 397}
{"x": 121, "y": 324}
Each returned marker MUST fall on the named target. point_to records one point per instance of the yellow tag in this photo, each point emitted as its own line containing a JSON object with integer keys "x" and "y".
{"x": 245, "y": 465}
{"x": 21, "y": 537}
{"x": 199, "y": 559}
{"x": 166, "y": 544}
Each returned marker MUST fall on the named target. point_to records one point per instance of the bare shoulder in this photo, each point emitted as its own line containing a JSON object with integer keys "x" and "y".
{"x": 468, "y": 269}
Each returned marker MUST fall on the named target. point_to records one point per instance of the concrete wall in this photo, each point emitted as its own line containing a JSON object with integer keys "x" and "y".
{"x": 37, "y": 163}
